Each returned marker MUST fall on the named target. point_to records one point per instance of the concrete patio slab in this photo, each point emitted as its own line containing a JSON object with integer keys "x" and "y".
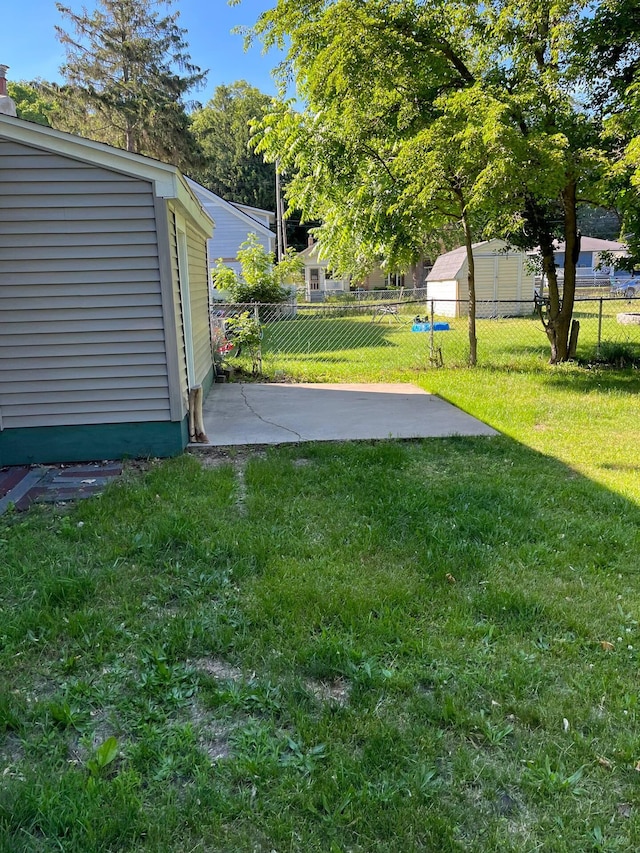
{"x": 252, "y": 413}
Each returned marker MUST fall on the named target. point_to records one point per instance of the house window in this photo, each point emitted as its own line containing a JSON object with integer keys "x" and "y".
{"x": 314, "y": 278}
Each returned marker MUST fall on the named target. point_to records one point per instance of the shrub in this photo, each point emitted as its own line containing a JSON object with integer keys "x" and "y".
{"x": 261, "y": 279}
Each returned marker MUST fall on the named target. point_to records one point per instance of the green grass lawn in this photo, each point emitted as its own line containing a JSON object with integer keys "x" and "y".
{"x": 391, "y": 646}
{"x": 334, "y": 343}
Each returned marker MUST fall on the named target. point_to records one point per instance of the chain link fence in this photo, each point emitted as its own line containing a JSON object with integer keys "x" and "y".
{"x": 335, "y": 340}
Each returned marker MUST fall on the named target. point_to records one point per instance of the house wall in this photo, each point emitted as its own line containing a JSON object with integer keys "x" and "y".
{"x": 325, "y": 285}
{"x": 585, "y": 259}
{"x": 82, "y": 341}
{"x": 177, "y": 305}
{"x": 376, "y": 280}
{"x": 81, "y": 333}
{"x": 230, "y": 233}
{"x": 199, "y": 290}
{"x": 199, "y": 305}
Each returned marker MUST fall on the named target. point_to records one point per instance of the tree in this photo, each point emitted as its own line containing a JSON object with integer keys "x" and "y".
{"x": 608, "y": 62}
{"x": 122, "y": 78}
{"x": 31, "y": 103}
{"x": 230, "y": 167}
{"x": 261, "y": 279}
{"x": 556, "y": 138}
{"x": 373, "y": 155}
{"x": 378, "y": 78}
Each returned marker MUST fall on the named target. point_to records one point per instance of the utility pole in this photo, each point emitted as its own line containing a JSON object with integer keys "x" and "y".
{"x": 281, "y": 224}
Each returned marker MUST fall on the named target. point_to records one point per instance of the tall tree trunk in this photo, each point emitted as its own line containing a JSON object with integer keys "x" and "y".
{"x": 130, "y": 139}
{"x": 471, "y": 282}
{"x": 556, "y": 313}
{"x": 571, "y": 254}
{"x": 549, "y": 273}
{"x": 557, "y": 322}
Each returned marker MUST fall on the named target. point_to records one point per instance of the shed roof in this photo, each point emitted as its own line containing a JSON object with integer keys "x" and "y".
{"x": 168, "y": 181}
{"x": 448, "y": 266}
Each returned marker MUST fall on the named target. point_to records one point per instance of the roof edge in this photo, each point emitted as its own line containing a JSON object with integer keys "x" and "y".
{"x": 229, "y": 206}
{"x": 91, "y": 151}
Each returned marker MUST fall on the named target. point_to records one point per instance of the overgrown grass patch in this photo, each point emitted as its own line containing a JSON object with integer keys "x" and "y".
{"x": 371, "y": 647}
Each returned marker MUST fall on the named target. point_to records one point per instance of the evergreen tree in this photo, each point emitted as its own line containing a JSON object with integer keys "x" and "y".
{"x": 127, "y": 72}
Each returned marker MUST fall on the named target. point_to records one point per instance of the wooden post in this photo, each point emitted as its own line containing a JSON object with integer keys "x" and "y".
{"x": 432, "y": 353}
{"x": 573, "y": 338}
{"x": 196, "y": 421}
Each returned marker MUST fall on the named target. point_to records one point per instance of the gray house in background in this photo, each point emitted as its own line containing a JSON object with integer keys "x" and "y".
{"x": 104, "y": 300}
{"x": 590, "y": 250}
{"x": 234, "y": 222}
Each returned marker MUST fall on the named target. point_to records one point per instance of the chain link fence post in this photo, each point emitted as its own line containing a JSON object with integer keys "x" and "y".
{"x": 256, "y": 320}
{"x": 600, "y": 301}
{"x": 432, "y": 353}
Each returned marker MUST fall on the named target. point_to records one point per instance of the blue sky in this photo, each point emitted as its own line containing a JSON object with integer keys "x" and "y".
{"x": 28, "y": 43}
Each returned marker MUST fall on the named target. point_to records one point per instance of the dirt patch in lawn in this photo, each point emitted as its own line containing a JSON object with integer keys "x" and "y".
{"x": 334, "y": 692}
{"x": 219, "y": 669}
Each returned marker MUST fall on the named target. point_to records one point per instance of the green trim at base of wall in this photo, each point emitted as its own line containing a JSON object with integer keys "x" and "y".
{"x": 91, "y": 443}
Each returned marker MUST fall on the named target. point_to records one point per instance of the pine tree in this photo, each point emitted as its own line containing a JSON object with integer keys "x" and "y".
{"x": 126, "y": 74}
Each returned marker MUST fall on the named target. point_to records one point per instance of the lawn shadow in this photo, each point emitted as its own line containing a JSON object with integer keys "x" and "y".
{"x": 320, "y": 335}
{"x": 481, "y": 514}
{"x": 588, "y": 380}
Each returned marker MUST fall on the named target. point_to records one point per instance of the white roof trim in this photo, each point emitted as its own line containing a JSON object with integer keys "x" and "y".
{"x": 204, "y": 194}
{"x": 249, "y": 210}
{"x": 167, "y": 180}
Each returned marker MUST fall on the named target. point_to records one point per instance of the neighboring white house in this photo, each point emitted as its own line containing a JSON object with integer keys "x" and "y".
{"x": 320, "y": 282}
{"x": 234, "y": 222}
{"x": 318, "y": 278}
{"x": 504, "y": 285}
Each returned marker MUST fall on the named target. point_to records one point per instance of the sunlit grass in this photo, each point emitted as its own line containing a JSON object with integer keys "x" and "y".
{"x": 369, "y": 647}
{"x": 332, "y": 343}
{"x": 378, "y": 646}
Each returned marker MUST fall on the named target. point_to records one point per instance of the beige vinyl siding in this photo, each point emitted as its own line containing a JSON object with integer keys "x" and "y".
{"x": 484, "y": 280}
{"x": 376, "y": 279}
{"x": 199, "y": 290}
{"x": 510, "y": 279}
{"x": 81, "y": 329}
{"x": 177, "y": 304}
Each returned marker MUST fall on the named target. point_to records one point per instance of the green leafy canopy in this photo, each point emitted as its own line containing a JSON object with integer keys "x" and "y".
{"x": 261, "y": 279}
